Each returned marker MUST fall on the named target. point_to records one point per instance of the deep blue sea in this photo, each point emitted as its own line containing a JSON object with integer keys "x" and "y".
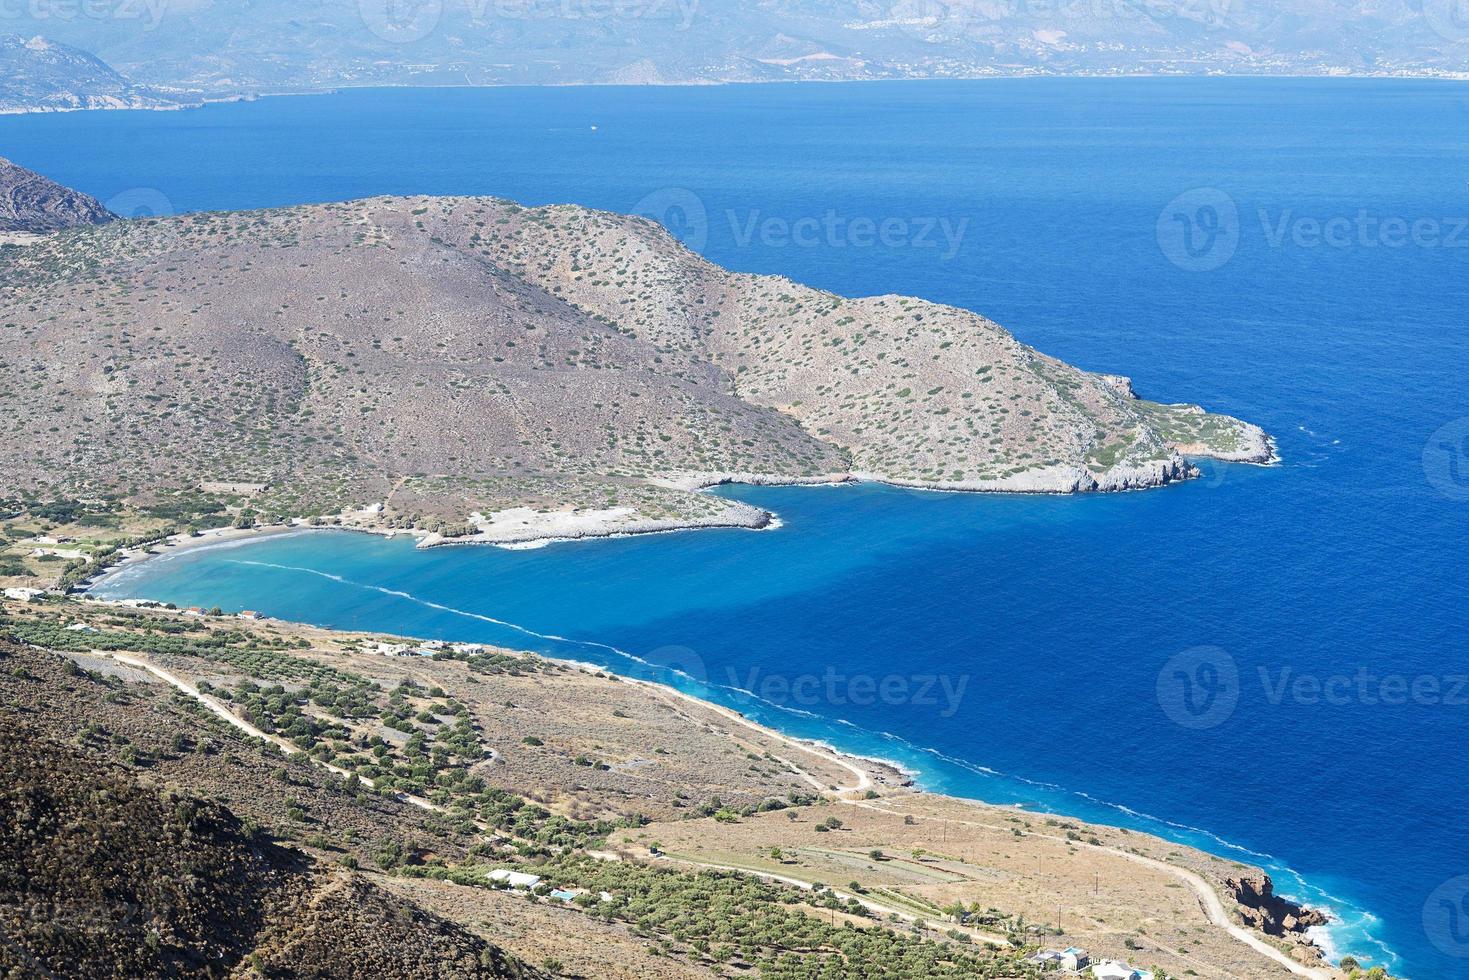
{"x": 1266, "y": 662}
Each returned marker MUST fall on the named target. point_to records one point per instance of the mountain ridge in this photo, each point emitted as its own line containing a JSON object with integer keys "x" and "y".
{"x": 41, "y": 75}
{"x": 451, "y": 358}
{"x": 187, "y": 53}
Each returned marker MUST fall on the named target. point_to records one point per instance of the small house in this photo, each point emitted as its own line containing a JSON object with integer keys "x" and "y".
{"x": 515, "y": 879}
{"x": 1074, "y": 959}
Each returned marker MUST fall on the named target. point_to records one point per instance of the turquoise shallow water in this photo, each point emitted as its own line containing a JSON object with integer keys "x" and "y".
{"x": 1262, "y": 662}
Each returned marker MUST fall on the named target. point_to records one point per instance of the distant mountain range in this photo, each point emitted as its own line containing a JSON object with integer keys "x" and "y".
{"x": 38, "y": 75}
{"x": 167, "y": 51}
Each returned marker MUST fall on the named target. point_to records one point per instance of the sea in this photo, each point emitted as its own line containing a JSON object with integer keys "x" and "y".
{"x": 1266, "y": 662}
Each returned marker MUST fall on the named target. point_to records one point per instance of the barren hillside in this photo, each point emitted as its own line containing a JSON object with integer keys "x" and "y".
{"x": 175, "y": 885}
{"x": 40, "y": 75}
{"x": 32, "y": 204}
{"x": 453, "y": 356}
{"x": 531, "y": 765}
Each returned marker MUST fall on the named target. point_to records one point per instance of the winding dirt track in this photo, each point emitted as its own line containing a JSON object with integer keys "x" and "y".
{"x": 1209, "y": 899}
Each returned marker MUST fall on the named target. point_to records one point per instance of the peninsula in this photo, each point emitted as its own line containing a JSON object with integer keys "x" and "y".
{"x": 475, "y": 370}
{"x": 278, "y": 797}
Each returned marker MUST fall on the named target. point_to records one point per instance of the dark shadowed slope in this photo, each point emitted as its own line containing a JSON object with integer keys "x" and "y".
{"x": 103, "y": 875}
{"x": 34, "y": 204}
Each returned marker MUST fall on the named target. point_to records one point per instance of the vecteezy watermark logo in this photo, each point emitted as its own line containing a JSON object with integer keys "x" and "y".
{"x": 1199, "y": 688}
{"x": 401, "y": 21}
{"x": 1201, "y": 230}
{"x": 140, "y": 202}
{"x": 1448, "y": 18}
{"x": 672, "y": 666}
{"x": 1363, "y": 687}
{"x": 1362, "y": 230}
{"x": 683, "y": 213}
{"x": 1198, "y": 230}
{"x": 834, "y": 230}
{"x": 1446, "y": 917}
{"x": 149, "y": 12}
{"x": 679, "y": 210}
{"x": 833, "y": 688}
{"x": 1446, "y": 460}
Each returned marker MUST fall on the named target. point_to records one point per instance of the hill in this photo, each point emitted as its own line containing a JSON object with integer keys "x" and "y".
{"x": 455, "y": 357}
{"x": 32, "y": 204}
{"x": 275, "y": 45}
{"x": 37, "y": 74}
{"x": 599, "y": 785}
{"x": 105, "y": 875}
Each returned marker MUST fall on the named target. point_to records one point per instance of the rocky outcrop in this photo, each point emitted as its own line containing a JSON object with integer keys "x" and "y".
{"x": 33, "y": 204}
{"x": 1262, "y": 909}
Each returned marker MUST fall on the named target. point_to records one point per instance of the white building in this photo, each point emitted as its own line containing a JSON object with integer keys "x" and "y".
{"x": 1073, "y": 959}
{"x": 515, "y": 879}
{"x": 1116, "y": 970}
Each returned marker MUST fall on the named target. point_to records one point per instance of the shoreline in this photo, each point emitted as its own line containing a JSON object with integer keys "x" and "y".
{"x": 871, "y": 770}
{"x": 898, "y": 782}
{"x": 739, "y": 516}
{"x": 205, "y": 101}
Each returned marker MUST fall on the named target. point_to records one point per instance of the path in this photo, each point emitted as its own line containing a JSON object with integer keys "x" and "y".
{"x": 871, "y": 905}
{"x": 225, "y": 713}
{"x": 1209, "y": 899}
{"x": 863, "y": 783}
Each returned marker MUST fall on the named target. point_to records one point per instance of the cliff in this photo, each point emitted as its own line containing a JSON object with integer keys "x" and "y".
{"x": 1262, "y": 909}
